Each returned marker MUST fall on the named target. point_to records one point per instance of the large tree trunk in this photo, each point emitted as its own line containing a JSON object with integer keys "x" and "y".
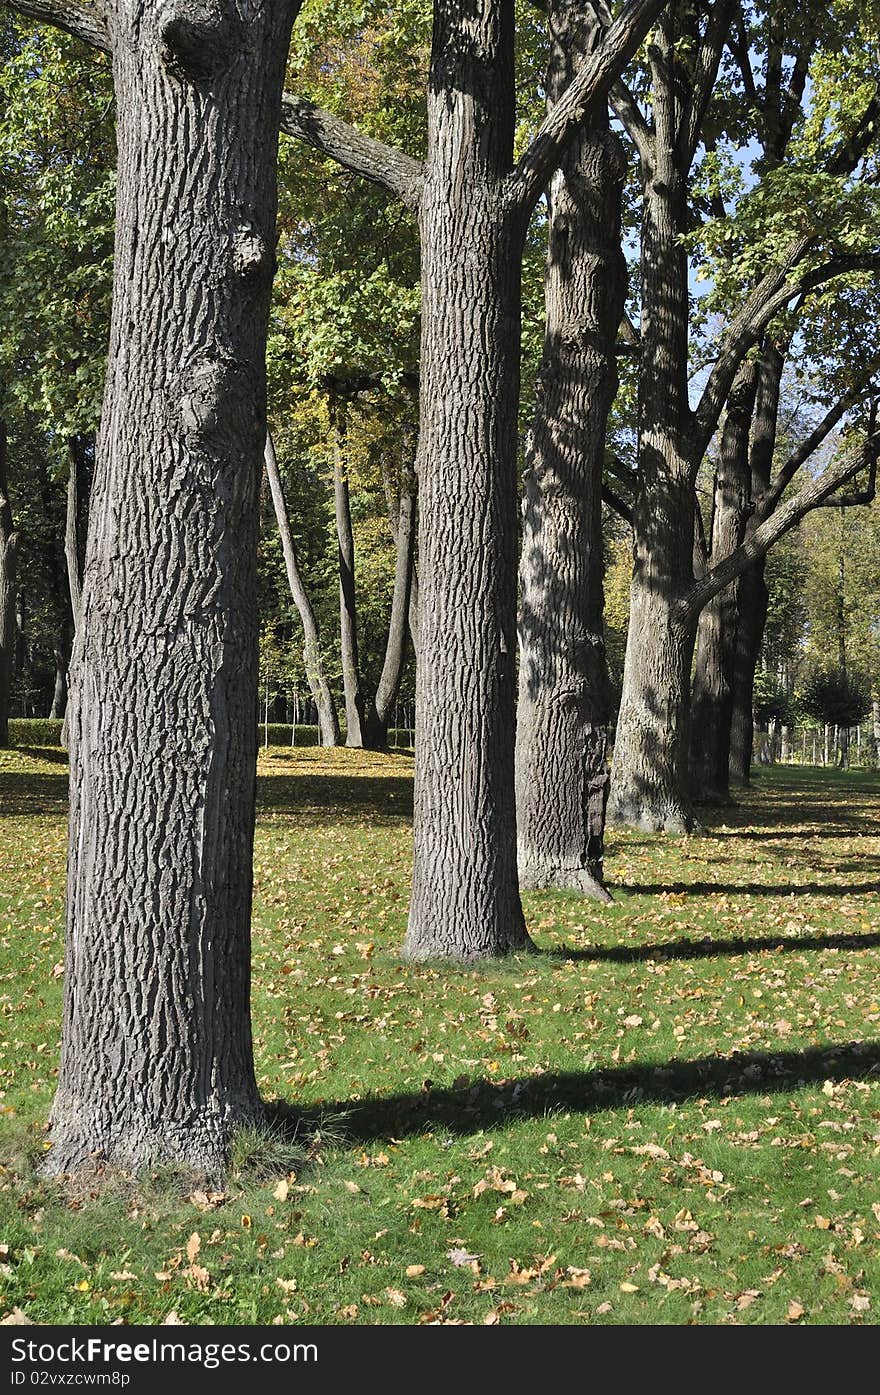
{"x": 328, "y": 721}
{"x": 712, "y": 699}
{"x": 8, "y": 559}
{"x": 561, "y": 739}
{"x": 650, "y": 765}
{"x": 355, "y": 701}
{"x": 379, "y": 712}
{"x": 465, "y": 900}
{"x": 156, "y": 1057}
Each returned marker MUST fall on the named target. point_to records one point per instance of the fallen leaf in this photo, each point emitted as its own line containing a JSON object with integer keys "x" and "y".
{"x": 193, "y": 1245}
{"x": 395, "y": 1297}
{"x": 795, "y": 1311}
{"x": 414, "y": 1270}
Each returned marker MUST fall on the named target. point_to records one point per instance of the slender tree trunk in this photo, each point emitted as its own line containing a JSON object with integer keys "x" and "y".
{"x": 752, "y": 602}
{"x": 875, "y": 730}
{"x": 156, "y": 1057}
{"x": 649, "y": 784}
{"x": 328, "y": 721}
{"x": 562, "y": 772}
{"x": 712, "y": 700}
{"x": 355, "y": 700}
{"x": 8, "y": 560}
{"x": 465, "y": 900}
{"x": 79, "y": 488}
{"x": 752, "y": 596}
{"x": 380, "y": 710}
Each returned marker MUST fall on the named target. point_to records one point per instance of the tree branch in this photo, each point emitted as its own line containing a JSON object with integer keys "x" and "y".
{"x": 87, "y": 22}
{"x": 811, "y": 443}
{"x": 781, "y": 521}
{"x": 591, "y": 85}
{"x": 372, "y": 159}
{"x": 705, "y": 73}
{"x": 628, "y": 113}
{"x": 614, "y": 501}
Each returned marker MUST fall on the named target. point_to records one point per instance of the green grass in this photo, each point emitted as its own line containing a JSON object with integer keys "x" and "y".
{"x": 671, "y": 1116}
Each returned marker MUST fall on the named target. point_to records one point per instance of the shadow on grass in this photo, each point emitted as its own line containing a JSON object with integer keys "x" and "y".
{"x": 27, "y": 793}
{"x": 711, "y": 949}
{"x": 745, "y": 888}
{"x": 482, "y": 1103}
{"x": 382, "y": 797}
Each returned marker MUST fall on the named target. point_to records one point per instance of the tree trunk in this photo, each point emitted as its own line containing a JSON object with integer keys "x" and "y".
{"x": 79, "y": 488}
{"x": 562, "y": 773}
{"x": 328, "y": 721}
{"x": 355, "y": 702}
{"x": 712, "y": 699}
{"x": 465, "y": 900}
{"x": 875, "y": 729}
{"x": 752, "y": 602}
{"x": 379, "y": 711}
{"x": 752, "y": 597}
{"x": 156, "y": 1059}
{"x": 8, "y": 560}
{"x": 649, "y": 784}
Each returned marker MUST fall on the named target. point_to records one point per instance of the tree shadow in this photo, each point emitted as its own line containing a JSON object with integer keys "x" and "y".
{"x": 26, "y": 793}
{"x": 710, "y": 949}
{"x": 483, "y": 1104}
{"x": 746, "y": 888}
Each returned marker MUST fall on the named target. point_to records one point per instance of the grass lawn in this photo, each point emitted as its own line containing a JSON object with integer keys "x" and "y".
{"x": 670, "y": 1116}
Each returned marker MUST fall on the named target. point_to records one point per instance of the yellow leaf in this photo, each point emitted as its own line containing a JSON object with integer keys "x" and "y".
{"x": 414, "y": 1270}
{"x": 83, "y": 1285}
{"x": 280, "y": 1192}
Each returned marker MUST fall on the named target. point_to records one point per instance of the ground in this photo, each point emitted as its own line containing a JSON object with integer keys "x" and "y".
{"x": 672, "y": 1115}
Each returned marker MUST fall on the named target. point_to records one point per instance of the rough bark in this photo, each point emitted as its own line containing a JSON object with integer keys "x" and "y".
{"x": 79, "y": 485}
{"x": 156, "y": 1058}
{"x": 649, "y": 768}
{"x": 712, "y": 698}
{"x": 8, "y": 561}
{"x": 465, "y": 900}
{"x": 355, "y": 699}
{"x": 752, "y": 594}
{"x": 328, "y": 721}
{"x": 562, "y": 772}
{"x": 382, "y": 706}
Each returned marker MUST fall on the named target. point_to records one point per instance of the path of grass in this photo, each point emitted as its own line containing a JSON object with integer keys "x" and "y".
{"x": 672, "y": 1116}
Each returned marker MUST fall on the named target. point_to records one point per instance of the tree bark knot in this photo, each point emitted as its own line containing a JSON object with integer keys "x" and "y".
{"x": 215, "y": 396}
{"x": 199, "y": 38}
{"x": 252, "y": 258}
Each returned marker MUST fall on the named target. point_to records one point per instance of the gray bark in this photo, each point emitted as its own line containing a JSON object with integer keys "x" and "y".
{"x": 355, "y": 700}
{"x": 465, "y": 900}
{"x": 79, "y": 484}
{"x": 328, "y": 721}
{"x": 752, "y": 594}
{"x": 561, "y": 738}
{"x": 380, "y": 710}
{"x": 8, "y": 562}
{"x": 712, "y": 699}
{"x": 649, "y": 768}
{"x": 156, "y": 1059}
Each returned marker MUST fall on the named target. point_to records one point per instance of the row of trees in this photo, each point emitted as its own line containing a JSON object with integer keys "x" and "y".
{"x": 753, "y": 162}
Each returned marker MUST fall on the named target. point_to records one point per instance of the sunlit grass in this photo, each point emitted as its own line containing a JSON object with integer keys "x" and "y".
{"x": 671, "y": 1117}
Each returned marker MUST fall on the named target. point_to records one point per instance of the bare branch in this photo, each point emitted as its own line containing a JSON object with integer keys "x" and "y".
{"x": 382, "y": 164}
{"x": 87, "y": 22}
{"x": 807, "y": 447}
{"x": 784, "y": 518}
{"x": 614, "y": 501}
{"x": 591, "y": 85}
